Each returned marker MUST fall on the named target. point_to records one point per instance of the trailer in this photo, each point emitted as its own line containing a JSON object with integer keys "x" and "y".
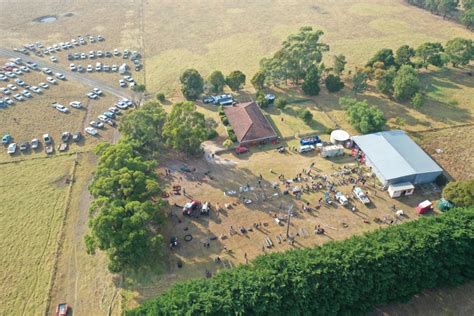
{"x": 332, "y": 151}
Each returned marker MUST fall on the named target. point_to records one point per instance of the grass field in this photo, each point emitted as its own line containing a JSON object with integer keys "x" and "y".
{"x": 206, "y": 35}
{"x": 33, "y": 195}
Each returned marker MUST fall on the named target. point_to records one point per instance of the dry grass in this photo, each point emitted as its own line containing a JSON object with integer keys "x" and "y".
{"x": 33, "y": 195}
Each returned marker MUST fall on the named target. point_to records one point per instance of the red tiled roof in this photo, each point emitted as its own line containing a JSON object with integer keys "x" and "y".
{"x": 249, "y": 123}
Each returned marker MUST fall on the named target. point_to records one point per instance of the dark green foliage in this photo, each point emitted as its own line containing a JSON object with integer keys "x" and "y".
{"x": 406, "y": 83}
{"x": 235, "y": 80}
{"x": 260, "y": 98}
{"x": 297, "y": 54}
{"x": 430, "y": 53}
{"x": 467, "y": 18}
{"x": 339, "y": 64}
{"x": 185, "y": 128}
{"x": 359, "y": 82}
{"x": 384, "y": 56}
{"x": 461, "y": 193}
{"x": 363, "y": 118}
{"x": 216, "y": 81}
{"x": 144, "y": 127}
{"x": 231, "y": 134}
{"x": 258, "y": 80}
{"x": 310, "y": 85}
{"x": 123, "y": 217}
{"x": 333, "y": 83}
{"x": 417, "y": 101}
{"x": 192, "y": 84}
{"x": 160, "y": 97}
{"x": 385, "y": 81}
{"x": 460, "y": 51}
{"x": 211, "y": 134}
{"x": 403, "y": 55}
{"x": 306, "y": 116}
{"x": 344, "y": 277}
{"x": 447, "y": 8}
{"x": 281, "y": 103}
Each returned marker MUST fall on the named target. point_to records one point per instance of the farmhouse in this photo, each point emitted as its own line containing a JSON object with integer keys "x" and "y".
{"x": 250, "y": 125}
{"x": 396, "y": 160}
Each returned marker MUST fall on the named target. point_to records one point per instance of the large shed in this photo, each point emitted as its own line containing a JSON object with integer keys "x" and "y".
{"x": 395, "y": 158}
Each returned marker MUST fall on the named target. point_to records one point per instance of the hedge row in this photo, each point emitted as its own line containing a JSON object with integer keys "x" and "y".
{"x": 341, "y": 277}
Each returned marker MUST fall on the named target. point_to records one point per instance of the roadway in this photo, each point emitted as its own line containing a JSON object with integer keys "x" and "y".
{"x": 70, "y": 75}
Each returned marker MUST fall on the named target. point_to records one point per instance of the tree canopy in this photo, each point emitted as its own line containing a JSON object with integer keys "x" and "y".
{"x": 406, "y": 83}
{"x": 430, "y": 53}
{"x": 384, "y": 56}
{"x": 404, "y": 54}
{"x": 461, "y": 193}
{"x": 216, "y": 81}
{"x": 363, "y": 118}
{"x": 185, "y": 128}
{"x": 333, "y": 83}
{"x": 310, "y": 85}
{"x": 339, "y": 64}
{"x": 460, "y": 51}
{"x": 258, "y": 80}
{"x": 306, "y": 116}
{"x": 359, "y": 82}
{"x": 192, "y": 84}
{"x": 235, "y": 80}
{"x": 297, "y": 54}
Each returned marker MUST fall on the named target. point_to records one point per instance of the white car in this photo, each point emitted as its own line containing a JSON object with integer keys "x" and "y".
{"x": 91, "y": 131}
{"x": 26, "y": 93}
{"x": 114, "y": 68}
{"x": 35, "y": 89}
{"x": 76, "y": 104}
{"x": 116, "y": 52}
{"x": 100, "y": 38}
{"x": 97, "y": 91}
{"x": 60, "y": 76}
{"x": 61, "y": 108}
{"x": 92, "y": 95}
{"x": 46, "y": 70}
{"x": 19, "y": 97}
{"x": 24, "y": 69}
{"x": 3, "y": 77}
{"x": 17, "y": 71}
{"x": 11, "y": 87}
{"x": 121, "y": 105}
{"x": 20, "y": 82}
{"x": 5, "y": 91}
{"x": 90, "y": 68}
{"x": 43, "y": 85}
{"x": 96, "y": 124}
{"x": 103, "y": 118}
{"x": 128, "y": 78}
{"x": 122, "y": 83}
{"x": 83, "y": 56}
{"x": 11, "y": 148}
{"x": 72, "y": 67}
{"x": 98, "y": 67}
{"x": 9, "y": 101}
{"x": 34, "y": 143}
{"x": 51, "y": 80}
{"x": 53, "y": 59}
{"x": 10, "y": 74}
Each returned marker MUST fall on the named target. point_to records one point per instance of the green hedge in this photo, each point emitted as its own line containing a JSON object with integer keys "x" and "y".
{"x": 341, "y": 277}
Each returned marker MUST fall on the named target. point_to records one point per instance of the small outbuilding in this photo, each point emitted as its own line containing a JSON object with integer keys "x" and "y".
{"x": 123, "y": 69}
{"x": 401, "y": 189}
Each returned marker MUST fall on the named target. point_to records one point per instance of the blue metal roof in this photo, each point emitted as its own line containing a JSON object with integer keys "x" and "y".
{"x": 395, "y": 154}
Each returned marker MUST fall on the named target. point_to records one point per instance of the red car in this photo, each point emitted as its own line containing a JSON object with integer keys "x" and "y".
{"x": 62, "y": 309}
{"x": 190, "y": 207}
{"x": 241, "y": 150}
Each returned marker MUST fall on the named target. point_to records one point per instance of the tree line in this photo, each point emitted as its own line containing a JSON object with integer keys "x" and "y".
{"x": 127, "y": 210}
{"x": 340, "y": 277}
{"x": 449, "y": 9}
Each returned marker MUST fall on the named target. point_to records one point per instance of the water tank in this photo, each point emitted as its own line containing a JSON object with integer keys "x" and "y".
{"x": 339, "y": 137}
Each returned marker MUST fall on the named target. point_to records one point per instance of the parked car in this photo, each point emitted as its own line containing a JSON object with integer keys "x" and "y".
{"x": 114, "y": 110}
{"x": 102, "y": 118}
{"x": 96, "y": 124}
{"x": 76, "y": 104}
{"x": 208, "y": 99}
{"x": 12, "y": 87}
{"x": 76, "y": 137}
{"x": 35, "y": 89}
{"x": 24, "y": 146}
{"x": 20, "y": 82}
{"x": 47, "y": 139}
{"x": 65, "y": 137}
{"x": 111, "y": 122}
{"x": 11, "y": 148}
{"x": 46, "y": 70}
{"x": 92, "y": 95}
{"x": 341, "y": 198}
{"x": 51, "y": 80}
{"x": 360, "y": 195}
{"x": 60, "y": 76}
{"x": 72, "y": 67}
{"x": 90, "y": 68}
{"x": 19, "y": 97}
{"x": 190, "y": 207}
{"x": 53, "y": 59}
{"x": 27, "y": 93}
{"x": 5, "y": 91}
{"x": 34, "y": 143}
{"x": 61, "y": 108}
{"x": 97, "y": 91}
{"x": 109, "y": 114}
{"x": 122, "y": 83}
{"x": 62, "y": 309}
{"x": 6, "y": 139}
{"x": 91, "y": 131}
{"x": 306, "y": 148}
{"x": 9, "y": 101}
{"x": 80, "y": 68}
{"x": 241, "y": 150}
{"x": 43, "y": 85}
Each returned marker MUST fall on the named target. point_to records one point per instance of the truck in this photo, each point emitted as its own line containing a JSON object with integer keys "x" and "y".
{"x": 313, "y": 140}
{"x": 62, "y": 309}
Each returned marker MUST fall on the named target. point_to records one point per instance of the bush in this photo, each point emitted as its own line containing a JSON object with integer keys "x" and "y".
{"x": 211, "y": 134}
{"x": 228, "y": 143}
{"x": 231, "y": 134}
{"x": 460, "y": 193}
{"x": 306, "y": 116}
{"x": 160, "y": 97}
{"x": 417, "y": 101}
{"x": 334, "y": 83}
{"x": 225, "y": 120}
{"x": 281, "y": 103}
{"x": 261, "y": 100}
{"x": 344, "y": 277}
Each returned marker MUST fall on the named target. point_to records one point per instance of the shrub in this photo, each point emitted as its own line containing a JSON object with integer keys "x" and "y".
{"x": 417, "y": 101}
{"x": 460, "y": 193}
{"x": 344, "y": 277}
{"x": 228, "y": 143}
{"x": 211, "y": 134}
{"x": 160, "y": 97}
{"x": 333, "y": 83}
{"x": 231, "y": 134}
{"x": 225, "y": 120}
{"x": 281, "y": 103}
{"x": 306, "y": 116}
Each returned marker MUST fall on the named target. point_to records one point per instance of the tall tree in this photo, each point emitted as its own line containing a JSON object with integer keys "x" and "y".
{"x": 385, "y": 81}
{"x": 138, "y": 94}
{"x": 217, "y": 81}
{"x": 258, "y": 80}
{"x": 235, "y": 80}
{"x": 363, "y": 118}
{"x": 192, "y": 84}
{"x": 333, "y": 83}
{"x": 406, "y": 83}
{"x": 339, "y": 64}
{"x": 185, "y": 128}
{"x": 461, "y": 193}
{"x": 385, "y": 56}
{"x": 359, "y": 82}
{"x": 467, "y": 18}
{"x": 404, "y": 54}
{"x": 144, "y": 126}
{"x": 430, "y": 53}
{"x": 310, "y": 85}
{"x": 460, "y": 51}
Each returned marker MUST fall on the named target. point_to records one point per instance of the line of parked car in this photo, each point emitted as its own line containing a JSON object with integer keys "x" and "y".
{"x": 39, "y": 49}
{"x": 35, "y": 144}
